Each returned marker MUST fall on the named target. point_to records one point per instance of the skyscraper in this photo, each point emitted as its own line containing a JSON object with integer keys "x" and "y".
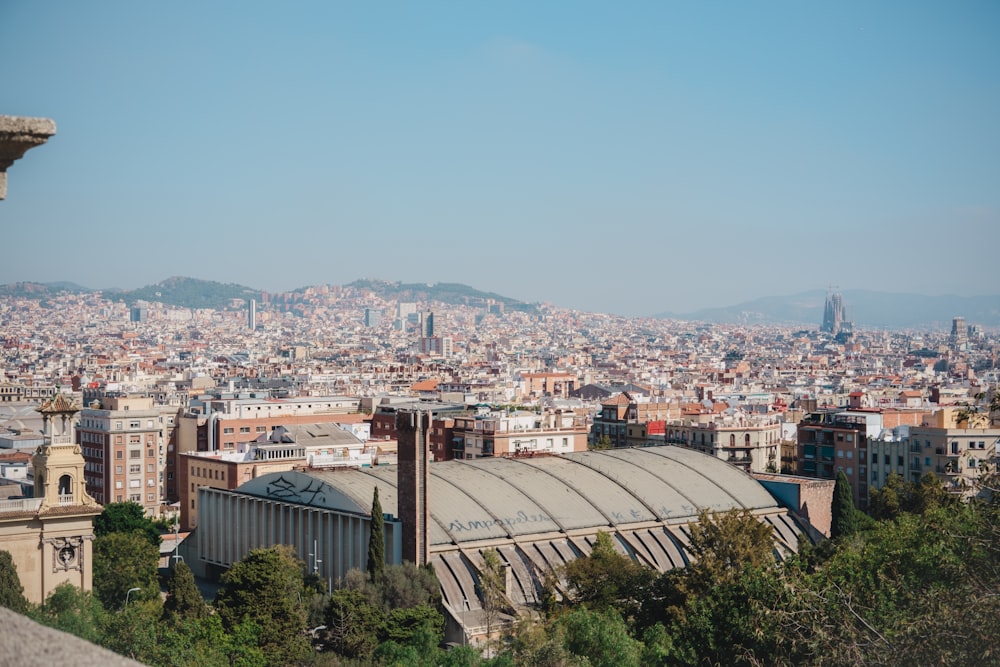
{"x": 252, "y": 315}
{"x": 427, "y": 324}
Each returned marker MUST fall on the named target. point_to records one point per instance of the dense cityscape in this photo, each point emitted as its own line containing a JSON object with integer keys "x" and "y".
{"x": 499, "y": 334}
{"x": 179, "y": 411}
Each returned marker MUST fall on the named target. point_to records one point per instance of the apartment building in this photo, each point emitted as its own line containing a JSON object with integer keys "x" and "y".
{"x": 621, "y": 410}
{"x": 124, "y": 451}
{"x": 751, "y": 442}
{"x": 519, "y": 434}
{"x": 943, "y": 445}
{"x": 834, "y": 441}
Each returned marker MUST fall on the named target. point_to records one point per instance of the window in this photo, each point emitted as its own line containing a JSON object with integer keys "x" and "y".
{"x": 119, "y": 454}
{"x": 840, "y": 453}
{"x": 119, "y": 484}
{"x": 118, "y": 470}
{"x": 149, "y": 497}
{"x": 261, "y": 429}
{"x": 135, "y": 497}
{"x": 150, "y": 482}
{"x": 118, "y": 427}
{"x": 899, "y": 460}
{"x": 135, "y": 424}
{"x": 132, "y": 469}
{"x": 850, "y": 471}
{"x": 135, "y": 453}
{"x": 244, "y": 429}
{"x": 973, "y": 463}
{"x": 150, "y": 453}
{"x": 850, "y": 454}
{"x": 150, "y": 467}
{"x": 227, "y": 430}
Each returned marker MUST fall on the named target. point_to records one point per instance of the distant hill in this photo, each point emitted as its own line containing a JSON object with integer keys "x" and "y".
{"x": 452, "y": 293}
{"x": 866, "y": 308}
{"x": 31, "y": 290}
{"x": 188, "y": 293}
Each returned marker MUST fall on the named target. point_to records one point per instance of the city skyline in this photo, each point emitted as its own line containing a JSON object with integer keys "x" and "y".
{"x": 663, "y": 158}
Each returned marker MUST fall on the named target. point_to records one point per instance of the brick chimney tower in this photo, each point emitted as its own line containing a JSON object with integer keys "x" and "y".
{"x": 413, "y": 427}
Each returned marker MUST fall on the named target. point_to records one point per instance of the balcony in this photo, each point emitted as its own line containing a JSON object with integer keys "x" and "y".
{"x": 20, "y": 505}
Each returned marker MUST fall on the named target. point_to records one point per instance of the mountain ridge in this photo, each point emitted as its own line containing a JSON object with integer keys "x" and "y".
{"x": 866, "y": 308}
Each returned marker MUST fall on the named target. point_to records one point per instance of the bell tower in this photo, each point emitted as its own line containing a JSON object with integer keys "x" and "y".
{"x": 50, "y": 535}
{"x": 59, "y": 463}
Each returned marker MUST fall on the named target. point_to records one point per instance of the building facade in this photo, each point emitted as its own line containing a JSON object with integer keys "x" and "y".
{"x": 125, "y": 451}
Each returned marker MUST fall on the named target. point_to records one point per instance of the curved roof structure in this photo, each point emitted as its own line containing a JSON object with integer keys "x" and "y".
{"x": 542, "y": 512}
{"x": 511, "y": 498}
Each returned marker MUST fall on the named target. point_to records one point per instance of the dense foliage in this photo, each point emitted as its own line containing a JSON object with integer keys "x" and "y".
{"x": 126, "y": 517}
{"x": 11, "y": 590}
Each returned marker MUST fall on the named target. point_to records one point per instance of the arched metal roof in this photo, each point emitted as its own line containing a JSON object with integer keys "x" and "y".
{"x": 486, "y": 499}
{"x": 542, "y": 512}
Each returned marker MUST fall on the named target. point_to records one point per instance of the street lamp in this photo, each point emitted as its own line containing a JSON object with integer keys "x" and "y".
{"x": 129, "y": 593}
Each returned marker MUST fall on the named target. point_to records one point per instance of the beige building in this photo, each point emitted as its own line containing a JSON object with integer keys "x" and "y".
{"x": 520, "y": 434}
{"x": 122, "y": 444}
{"x": 957, "y": 456}
{"x": 50, "y": 536}
{"x": 750, "y": 442}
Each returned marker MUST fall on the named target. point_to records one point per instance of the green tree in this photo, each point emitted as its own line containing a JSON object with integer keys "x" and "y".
{"x": 603, "y": 442}
{"x": 72, "y": 610}
{"x": 123, "y": 561}
{"x": 723, "y": 543}
{"x": 887, "y": 502}
{"x": 133, "y": 631}
{"x": 11, "y": 591}
{"x": 491, "y": 591}
{"x": 408, "y": 585}
{"x": 126, "y": 518}
{"x": 266, "y": 588}
{"x": 606, "y": 579}
{"x": 376, "y": 540}
{"x": 184, "y": 600}
{"x": 844, "y": 521}
{"x": 600, "y": 637}
{"x": 353, "y": 623}
{"x": 414, "y": 626}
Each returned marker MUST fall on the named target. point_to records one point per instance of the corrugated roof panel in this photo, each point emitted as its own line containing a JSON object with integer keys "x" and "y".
{"x": 613, "y": 501}
{"x": 561, "y": 501}
{"x": 462, "y": 517}
{"x": 652, "y": 481}
{"x": 729, "y": 480}
{"x": 498, "y": 504}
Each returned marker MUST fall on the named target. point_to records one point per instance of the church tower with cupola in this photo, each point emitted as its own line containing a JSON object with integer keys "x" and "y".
{"x": 50, "y": 536}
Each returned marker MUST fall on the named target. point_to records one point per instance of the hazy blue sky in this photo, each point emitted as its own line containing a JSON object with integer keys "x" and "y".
{"x": 629, "y": 157}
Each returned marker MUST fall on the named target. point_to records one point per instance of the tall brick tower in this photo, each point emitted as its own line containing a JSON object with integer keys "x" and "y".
{"x": 413, "y": 427}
